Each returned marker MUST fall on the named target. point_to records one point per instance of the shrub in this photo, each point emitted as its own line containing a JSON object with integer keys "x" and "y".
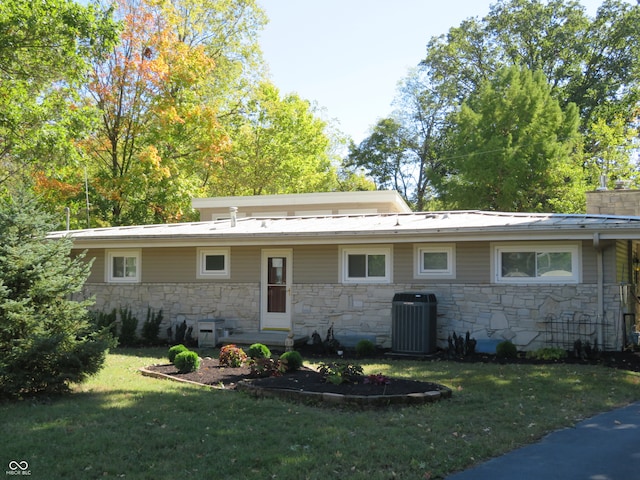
{"x": 365, "y": 348}
{"x": 128, "y": 327}
{"x": 106, "y": 321}
{"x": 151, "y": 327}
{"x": 187, "y": 361}
{"x": 337, "y": 373}
{"x": 258, "y": 350}
{"x": 232, "y": 356}
{"x": 175, "y": 350}
{"x": 264, "y": 367}
{"x": 290, "y": 361}
{"x": 181, "y": 330}
{"x": 548, "y": 353}
{"x": 377, "y": 379}
{"x": 506, "y": 349}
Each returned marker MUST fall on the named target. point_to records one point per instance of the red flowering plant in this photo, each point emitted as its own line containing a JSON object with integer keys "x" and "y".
{"x": 377, "y": 379}
{"x": 232, "y": 356}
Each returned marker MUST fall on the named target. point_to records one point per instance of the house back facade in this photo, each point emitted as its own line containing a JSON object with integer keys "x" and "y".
{"x": 302, "y": 263}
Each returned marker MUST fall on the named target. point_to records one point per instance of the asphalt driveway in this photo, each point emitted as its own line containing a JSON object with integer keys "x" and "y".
{"x": 605, "y": 447}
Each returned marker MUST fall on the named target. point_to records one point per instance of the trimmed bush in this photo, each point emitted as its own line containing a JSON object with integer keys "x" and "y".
{"x": 258, "y": 350}
{"x": 290, "y": 361}
{"x": 506, "y": 349}
{"x": 175, "y": 350}
{"x": 187, "y": 361}
{"x": 365, "y": 348}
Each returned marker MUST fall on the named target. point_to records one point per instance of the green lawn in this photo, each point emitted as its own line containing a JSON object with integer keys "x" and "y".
{"x": 121, "y": 424}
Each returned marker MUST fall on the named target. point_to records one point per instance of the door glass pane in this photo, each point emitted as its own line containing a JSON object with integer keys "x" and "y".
{"x": 277, "y": 274}
{"x": 277, "y": 299}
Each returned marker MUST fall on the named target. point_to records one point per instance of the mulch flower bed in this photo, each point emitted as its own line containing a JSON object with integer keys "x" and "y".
{"x": 307, "y": 385}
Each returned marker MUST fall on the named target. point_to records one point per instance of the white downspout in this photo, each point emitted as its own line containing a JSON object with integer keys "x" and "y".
{"x": 600, "y": 288}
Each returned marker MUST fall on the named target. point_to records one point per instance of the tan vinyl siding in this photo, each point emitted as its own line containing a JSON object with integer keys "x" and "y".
{"x": 97, "y": 269}
{"x": 472, "y": 264}
{"x": 169, "y": 265}
{"x": 589, "y": 263}
{"x": 315, "y": 264}
{"x": 245, "y": 264}
{"x": 623, "y": 262}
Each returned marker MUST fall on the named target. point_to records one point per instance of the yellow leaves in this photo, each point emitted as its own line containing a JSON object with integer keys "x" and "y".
{"x": 150, "y": 157}
{"x": 52, "y": 188}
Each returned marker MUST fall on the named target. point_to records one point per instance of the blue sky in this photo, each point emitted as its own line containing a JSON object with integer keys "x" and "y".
{"x": 347, "y": 56}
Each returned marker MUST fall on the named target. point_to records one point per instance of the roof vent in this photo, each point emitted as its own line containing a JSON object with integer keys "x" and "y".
{"x": 603, "y": 184}
{"x": 233, "y": 212}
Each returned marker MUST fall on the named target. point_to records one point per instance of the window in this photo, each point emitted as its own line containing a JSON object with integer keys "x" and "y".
{"x": 434, "y": 261}
{"x": 123, "y": 266}
{"x": 365, "y": 264}
{"x": 537, "y": 264}
{"x": 213, "y": 263}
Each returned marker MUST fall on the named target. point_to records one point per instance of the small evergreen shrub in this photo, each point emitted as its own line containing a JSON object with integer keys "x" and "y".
{"x": 187, "y": 361}
{"x": 175, "y": 350}
{"x": 365, "y": 348}
{"x": 151, "y": 327}
{"x": 181, "y": 330}
{"x": 258, "y": 350}
{"x": 128, "y": 328}
{"x": 506, "y": 349}
{"x": 232, "y": 356}
{"x": 103, "y": 320}
{"x": 290, "y": 361}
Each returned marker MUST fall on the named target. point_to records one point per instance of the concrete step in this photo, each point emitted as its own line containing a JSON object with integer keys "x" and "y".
{"x": 270, "y": 339}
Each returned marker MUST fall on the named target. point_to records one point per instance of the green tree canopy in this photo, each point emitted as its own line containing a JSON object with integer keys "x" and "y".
{"x": 44, "y": 51}
{"x": 515, "y": 148}
{"x": 278, "y": 146}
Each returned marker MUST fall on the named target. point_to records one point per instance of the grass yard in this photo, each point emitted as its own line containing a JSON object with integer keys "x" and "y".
{"x": 123, "y": 425}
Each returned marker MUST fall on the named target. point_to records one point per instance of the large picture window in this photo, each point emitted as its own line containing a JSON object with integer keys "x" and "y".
{"x": 435, "y": 261}
{"x": 365, "y": 264}
{"x": 213, "y": 263}
{"x": 123, "y": 266}
{"x": 537, "y": 264}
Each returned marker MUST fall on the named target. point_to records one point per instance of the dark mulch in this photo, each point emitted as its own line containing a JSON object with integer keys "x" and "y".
{"x": 210, "y": 373}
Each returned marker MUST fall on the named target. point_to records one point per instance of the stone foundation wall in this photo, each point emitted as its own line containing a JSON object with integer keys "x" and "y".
{"x": 518, "y": 313}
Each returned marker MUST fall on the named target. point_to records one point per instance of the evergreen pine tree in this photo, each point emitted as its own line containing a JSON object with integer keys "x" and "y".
{"x": 47, "y": 340}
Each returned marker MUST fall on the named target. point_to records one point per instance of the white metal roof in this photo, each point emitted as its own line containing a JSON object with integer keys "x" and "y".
{"x": 365, "y": 228}
{"x": 319, "y": 199}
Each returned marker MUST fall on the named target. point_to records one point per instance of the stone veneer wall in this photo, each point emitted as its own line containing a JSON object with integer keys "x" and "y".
{"x": 512, "y": 312}
{"x": 614, "y": 202}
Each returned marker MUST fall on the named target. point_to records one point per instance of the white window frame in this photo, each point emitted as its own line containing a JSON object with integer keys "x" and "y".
{"x": 419, "y": 271}
{"x": 110, "y": 255}
{"x": 573, "y": 248}
{"x": 385, "y": 250}
{"x": 201, "y": 266}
